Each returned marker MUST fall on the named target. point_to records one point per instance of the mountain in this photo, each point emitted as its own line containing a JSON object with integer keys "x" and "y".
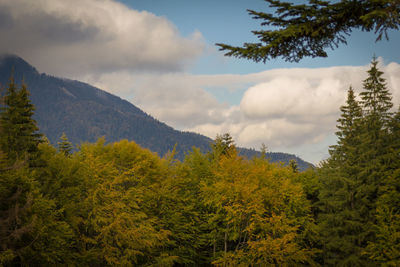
{"x": 85, "y": 113}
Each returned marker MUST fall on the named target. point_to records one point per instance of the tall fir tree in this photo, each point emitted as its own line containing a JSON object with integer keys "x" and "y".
{"x": 340, "y": 221}
{"x": 356, "y": 176}
{"x": 376, "y": 98}
{"x": 348, "y": 130}
{"x": 19, "y": 137}
{"x": 375, "y": 147}
{"x": 376, "y": 103}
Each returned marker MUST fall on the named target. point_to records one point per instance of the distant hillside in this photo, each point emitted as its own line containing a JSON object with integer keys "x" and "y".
{"x": 86, "y": 113}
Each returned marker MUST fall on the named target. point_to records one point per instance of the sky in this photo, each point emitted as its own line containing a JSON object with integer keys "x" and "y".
{"x": 161, "y": 56}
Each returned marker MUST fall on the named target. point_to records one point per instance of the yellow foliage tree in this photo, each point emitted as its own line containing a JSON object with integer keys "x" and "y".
{"x": 260, "y": 213}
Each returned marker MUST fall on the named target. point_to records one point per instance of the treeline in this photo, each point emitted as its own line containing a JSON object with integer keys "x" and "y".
{"x": 120, "y": 204}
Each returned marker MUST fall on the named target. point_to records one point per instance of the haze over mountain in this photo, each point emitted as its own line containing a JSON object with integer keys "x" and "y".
{"x": 85, "y": 113}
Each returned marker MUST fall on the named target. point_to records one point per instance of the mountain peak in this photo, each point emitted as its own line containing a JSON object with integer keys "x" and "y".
{"x": 11, "y": 63}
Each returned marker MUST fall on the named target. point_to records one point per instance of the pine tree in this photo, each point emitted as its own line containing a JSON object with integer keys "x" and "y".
{"x": 358, "y": 178}
{"x": 348, "y": 131}
{"x": 376, "y": 98}
{"x": 19, "y": 137}
{"x": 340, "y": 221}
{"x": 376, "y": 104}
{"x": 375, "y": 146}
{"x": 64, "y": 146}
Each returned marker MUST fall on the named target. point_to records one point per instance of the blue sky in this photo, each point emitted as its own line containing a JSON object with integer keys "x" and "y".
{"x": 228, "y": 22}
{"x": 161, "y": 56}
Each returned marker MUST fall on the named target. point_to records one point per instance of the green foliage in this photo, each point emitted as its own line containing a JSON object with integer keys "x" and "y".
{"x": 376, "y": 99}
{"x": 30, "y": 227}
{"x": 385, "y": 249}
{"x": 360, "y": 192}
{"x": 307, "y": 30}
{"x": 64, "y": 146}
{"x": 31, "y": 231}
{"x": 183, "y": 212}
{"x": 19, "y": 135}
{"x": 223, "y": 145}
{"x": 16, "y": 219}
{"x": 121, "y": 205}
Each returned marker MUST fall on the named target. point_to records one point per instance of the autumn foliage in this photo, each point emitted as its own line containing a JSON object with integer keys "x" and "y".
{"x": 118, "y": 204}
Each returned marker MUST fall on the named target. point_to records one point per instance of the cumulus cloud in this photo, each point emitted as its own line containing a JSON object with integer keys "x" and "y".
{"x": 290, "y": 110}
{"x": 293, "y": 97}
{"x": 73, "y": 37}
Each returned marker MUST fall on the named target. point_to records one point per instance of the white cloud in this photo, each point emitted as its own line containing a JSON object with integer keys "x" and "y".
{"x": 74, "y": 37}
{"x": 290, "y": 110}
{"x": 293, "y": 97}
{"x": 392, "y": 72}
{"x": 279, "y": 131}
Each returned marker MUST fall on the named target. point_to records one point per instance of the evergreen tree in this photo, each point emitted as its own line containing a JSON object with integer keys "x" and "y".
{"x": 356, "y": 178}
{"x": 340, "y": 221}
{"x": 19, "y": 137}
{"x": 376, "y": 98}
{"x": 375, "y": 147}
{"x": 223, "y": 145}
{"x": 64, "y": 146}
{"x": 307, "y": 30}
{"x": 348, "y": 131}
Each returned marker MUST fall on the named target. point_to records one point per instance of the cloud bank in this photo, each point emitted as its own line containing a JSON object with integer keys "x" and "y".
{"x": 290, "y": 110}
{"x": 68, "y": 38}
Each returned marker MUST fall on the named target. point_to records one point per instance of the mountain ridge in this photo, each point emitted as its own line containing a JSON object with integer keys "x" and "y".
{"x": 85, "y": 113}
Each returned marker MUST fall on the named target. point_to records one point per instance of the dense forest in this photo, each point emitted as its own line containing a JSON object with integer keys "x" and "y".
{"x": 120, "y": 204}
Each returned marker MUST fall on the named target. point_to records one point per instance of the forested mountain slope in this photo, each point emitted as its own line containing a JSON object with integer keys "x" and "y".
{"x": 85, "y": 113}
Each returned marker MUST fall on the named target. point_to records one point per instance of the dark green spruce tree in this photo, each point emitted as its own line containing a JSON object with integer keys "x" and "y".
{"x": 375, "y": 146}
{"x": 358, "y": 179}
{"x": 32, "y": 232}
{"x": 340, "y": 221}
{"x": 19, "y": 137}
{"x": 348, "y": 131}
